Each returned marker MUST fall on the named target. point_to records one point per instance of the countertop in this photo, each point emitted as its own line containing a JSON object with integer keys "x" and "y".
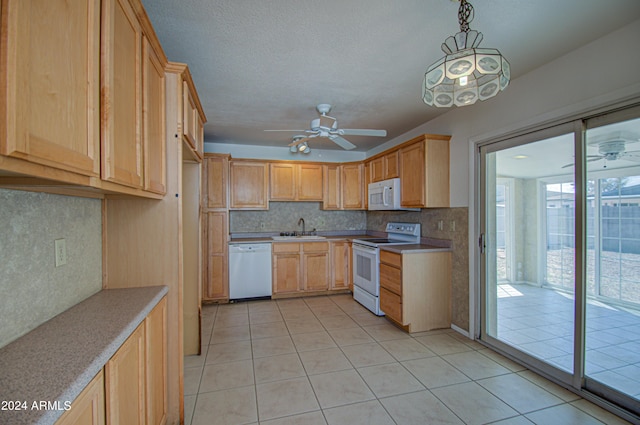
{"x": 56, "y": 360}
{"x": 268, "y": 239}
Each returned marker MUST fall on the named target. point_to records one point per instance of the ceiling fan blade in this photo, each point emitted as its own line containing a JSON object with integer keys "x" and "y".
{"x": 631, "y": 156}
{"x": 593, "y": 158}
{"x": 362, "y": 132}
{"x": 297, "y": 131}
{"x": 343, "y": 143}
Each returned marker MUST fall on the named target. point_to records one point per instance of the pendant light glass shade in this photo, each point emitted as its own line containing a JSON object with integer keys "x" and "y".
{"x": 467, "y": 73}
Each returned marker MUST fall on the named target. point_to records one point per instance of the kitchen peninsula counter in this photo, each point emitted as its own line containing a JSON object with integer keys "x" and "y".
{"x": 54, "y": 362}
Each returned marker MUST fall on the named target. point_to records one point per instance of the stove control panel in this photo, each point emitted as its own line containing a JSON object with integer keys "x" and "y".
{"x": 412, "y": 229}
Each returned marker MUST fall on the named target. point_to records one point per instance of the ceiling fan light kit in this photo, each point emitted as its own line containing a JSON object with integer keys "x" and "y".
{"x": 327, "y": 127}
{"x": 467, "y": 73}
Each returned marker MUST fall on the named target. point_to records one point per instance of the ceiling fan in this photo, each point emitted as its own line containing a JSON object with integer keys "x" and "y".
{"x": 613, "y": 149}
{"x": 326, "y": 126}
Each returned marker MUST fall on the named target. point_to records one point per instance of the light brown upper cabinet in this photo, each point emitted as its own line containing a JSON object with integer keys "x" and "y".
{"x": 248, "y": 185}
{"x": 188, "y": 113}
{"x": 353, "y": 186}
{"x": 153, "y": 119}
{"x": 295, "y": 182}
{"x": 216, "y": 172}
{"x": 377, "y": 169}
{"x": 50, "y": 88}
{"x": 193, "y": 120}
{"x": 121, "y": 94}
{"x": 391, "y": 165}
{"x": 332, "y": 199}
{"x": 424, "y": 172}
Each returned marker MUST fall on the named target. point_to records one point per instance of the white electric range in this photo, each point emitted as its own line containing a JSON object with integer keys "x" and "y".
{"x": 366, "y": 262}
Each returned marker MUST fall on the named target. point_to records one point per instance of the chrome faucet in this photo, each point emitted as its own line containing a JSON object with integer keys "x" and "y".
{"x": 301, "y": 221}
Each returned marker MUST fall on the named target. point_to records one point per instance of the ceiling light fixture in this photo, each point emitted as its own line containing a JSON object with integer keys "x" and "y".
{"x": 466, "y": 73}
{"x": 299, "y": 147}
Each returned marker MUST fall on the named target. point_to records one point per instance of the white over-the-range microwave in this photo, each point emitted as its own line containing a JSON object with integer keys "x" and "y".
{"x": 385, "y": 195}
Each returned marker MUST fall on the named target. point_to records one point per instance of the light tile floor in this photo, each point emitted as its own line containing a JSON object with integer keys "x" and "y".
{"x": 327, "y": 360}
{"x": 540, "y": 321}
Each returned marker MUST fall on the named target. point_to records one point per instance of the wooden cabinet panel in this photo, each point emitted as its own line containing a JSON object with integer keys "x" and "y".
{"x": 316, "y": 269}
{"x": 391, "y": 304}
{"x": 391, "y": 278}
{"x": 50, "y": 76}
{"x": 391, "y": 258}
{"x": 352, "y": 186}
{"x": 88, "y": 407}
{"x": 367, "y": 180}
{"x": 153, "y": 119}
{"x": 286, "y": 273}
{"x": 377, "y": 170}
{"x": 216, "y": 282}
{"x": 217, "y": 170}
{"x": 121, "y": 94}
{"x": 248, "y": 185}
{"x": 125, "y": 382}
{"x": 192, "y": 122}
{"x": 282, "y": 182}
{"x": 424, "y": 173}
{"x": 309, "y": 182}
{"x": 391, "y": 162}
{"x": 332, "y": 187}
{"x": 340, "y": 268}
{"x": 156, "y": 364}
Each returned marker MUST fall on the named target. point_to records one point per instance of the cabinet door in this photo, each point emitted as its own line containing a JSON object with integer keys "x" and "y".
{"x": 51, "y": 75}
{"x": 286, "y": 272}
{"x": 88, "y": 407}
{"x": 248, "y": 185}
{"x": 217, "y": 170}
{"x": 192, "y": 123}
{"x": 391, "y": 165}
{"x": 412, "y": 177}
{"x": 125, "y": 382}
{"x": 121, "y": 94}
{"x": 352, "y": 186}
{"x": 340, "y": 265}
{"x": 332, "y": 187}
{"x": 309, "y": 182}
{"x": 282, "y": 182}
{"x": 216, "y": 283}
{"x": 367, "y": 180}
{"x": 391, "y": 304}
{"x": 153, "y": 118}
{"x": 377, "y": 170}
{"x": 156, "y": 364}
{"x": 315, "y": 271}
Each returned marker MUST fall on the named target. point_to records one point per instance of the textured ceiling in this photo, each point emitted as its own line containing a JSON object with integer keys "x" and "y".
{"x": 266, "y": 64}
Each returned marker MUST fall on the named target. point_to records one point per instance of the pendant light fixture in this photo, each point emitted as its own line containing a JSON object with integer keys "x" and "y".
{"x": 467, "y": 73}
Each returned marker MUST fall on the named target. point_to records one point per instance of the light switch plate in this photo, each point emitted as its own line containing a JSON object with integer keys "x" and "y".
{"x": 61, "y": 252}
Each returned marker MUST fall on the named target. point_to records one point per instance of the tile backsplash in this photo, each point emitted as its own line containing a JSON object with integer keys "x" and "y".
{"x": 284, "y": 216}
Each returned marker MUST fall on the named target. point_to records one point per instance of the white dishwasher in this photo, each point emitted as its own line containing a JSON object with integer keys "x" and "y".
{"x": 249, "y": 270}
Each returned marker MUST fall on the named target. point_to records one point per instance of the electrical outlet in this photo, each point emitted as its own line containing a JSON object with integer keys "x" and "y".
{"x": 440, "y": 225}
{"x": 61, "y": 252}
{"x": 452, "y": 226}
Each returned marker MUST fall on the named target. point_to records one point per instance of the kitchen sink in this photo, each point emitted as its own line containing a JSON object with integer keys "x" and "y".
{"x": 294, "y": 238}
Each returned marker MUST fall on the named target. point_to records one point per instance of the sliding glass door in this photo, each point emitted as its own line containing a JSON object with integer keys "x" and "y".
{"x": 560, "y": 261}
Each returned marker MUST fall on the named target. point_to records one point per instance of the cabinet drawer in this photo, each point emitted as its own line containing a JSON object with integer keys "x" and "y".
{"x": 285, "y": 247}
{"x": 391, "y": 258}
{"x": 391, "y": 304}
{"x": 315, "y": 246}
{"x": 391, "y": 278}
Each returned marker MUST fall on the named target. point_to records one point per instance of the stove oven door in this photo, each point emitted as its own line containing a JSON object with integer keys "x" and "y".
{"x": 366, "y": 261}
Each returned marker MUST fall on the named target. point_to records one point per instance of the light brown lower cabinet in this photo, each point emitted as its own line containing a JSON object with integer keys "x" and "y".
{"x": 132, "y": 387}
{"x": 415, "y": 289}
{"x": 88, "y": 407}
{"x": 310, "y": 267}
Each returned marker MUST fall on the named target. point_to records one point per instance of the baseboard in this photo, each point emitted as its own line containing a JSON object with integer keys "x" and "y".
{"x": 460, "y": 331}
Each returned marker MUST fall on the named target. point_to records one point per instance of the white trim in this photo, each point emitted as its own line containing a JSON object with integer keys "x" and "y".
{"x": 460, "y": 331}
